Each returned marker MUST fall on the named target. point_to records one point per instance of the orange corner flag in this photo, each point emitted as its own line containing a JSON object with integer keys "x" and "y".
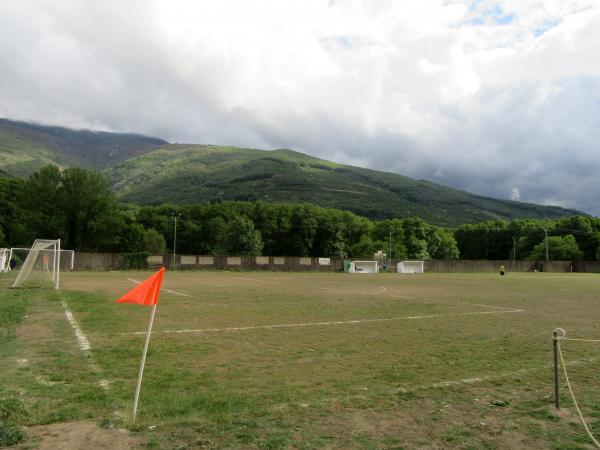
{"x": 147, "y": 292}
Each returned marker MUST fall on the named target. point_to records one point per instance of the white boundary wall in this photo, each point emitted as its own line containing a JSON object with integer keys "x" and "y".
{"x": 411, "y": 267}
{"x": 364, "y": 267}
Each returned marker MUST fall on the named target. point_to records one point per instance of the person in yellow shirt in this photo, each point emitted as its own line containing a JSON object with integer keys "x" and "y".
{"x": 501, "y": 270}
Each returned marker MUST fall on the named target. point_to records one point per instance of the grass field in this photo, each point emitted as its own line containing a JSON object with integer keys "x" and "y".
{"x": 306, "y": 360}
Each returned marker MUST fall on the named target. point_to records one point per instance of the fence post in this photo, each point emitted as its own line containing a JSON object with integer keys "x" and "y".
{"x": 555, "y": 348}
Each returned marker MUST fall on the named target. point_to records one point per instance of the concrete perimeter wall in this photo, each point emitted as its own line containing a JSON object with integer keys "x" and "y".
{"x": 463, "y": 266}
{"x": 117, "y": 261}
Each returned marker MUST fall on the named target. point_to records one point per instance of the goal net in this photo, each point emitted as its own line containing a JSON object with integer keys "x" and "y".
{"x": 41, "y": 265}
{"x": 410, "y": 267}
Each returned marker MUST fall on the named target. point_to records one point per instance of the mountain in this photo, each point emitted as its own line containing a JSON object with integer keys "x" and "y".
{"x": 25, "y": 147}
{"x": 200, "y": 173}
{"x": 148, "y": 170}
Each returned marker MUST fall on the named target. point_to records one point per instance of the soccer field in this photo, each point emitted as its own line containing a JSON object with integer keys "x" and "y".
{"x": 308, "y": 360}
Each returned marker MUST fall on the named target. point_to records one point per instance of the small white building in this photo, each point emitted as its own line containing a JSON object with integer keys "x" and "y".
{"x": 411, "y": 267}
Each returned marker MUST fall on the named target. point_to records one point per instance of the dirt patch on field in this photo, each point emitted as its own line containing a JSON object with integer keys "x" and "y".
{"x": 81, "y": 435}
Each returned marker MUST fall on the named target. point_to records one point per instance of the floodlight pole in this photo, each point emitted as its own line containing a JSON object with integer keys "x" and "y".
{"x": 390, "y": 255}
{"x": 175, "y": 216}
{"x": 514, "y": 252}
{"x": 546, "y": 233}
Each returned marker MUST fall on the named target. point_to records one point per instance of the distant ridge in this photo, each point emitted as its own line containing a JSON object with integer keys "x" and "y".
{"x": 27, "y": 146}
{"x": 148, "y": 170}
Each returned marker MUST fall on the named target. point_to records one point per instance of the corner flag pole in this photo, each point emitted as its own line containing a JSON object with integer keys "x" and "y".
{"x": 146, "y": 293}
{"x": 141, "y": 372}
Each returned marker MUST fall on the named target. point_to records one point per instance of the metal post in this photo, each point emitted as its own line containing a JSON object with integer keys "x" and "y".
{"x": 514, "y": 253}
{"x": 175, "y": 216}
{"x": 546, "y": 233}
{"x": 57, "y": 268}
{"x": 555, "y": 348}
{"x": 390, "y": 256}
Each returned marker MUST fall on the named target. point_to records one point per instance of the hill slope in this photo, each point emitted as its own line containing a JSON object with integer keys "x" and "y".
{"x": 25, "y": 147}
{"x": 195, "y": 173}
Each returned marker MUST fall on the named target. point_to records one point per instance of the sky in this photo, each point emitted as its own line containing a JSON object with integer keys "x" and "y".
{"x": 499, "y": 98}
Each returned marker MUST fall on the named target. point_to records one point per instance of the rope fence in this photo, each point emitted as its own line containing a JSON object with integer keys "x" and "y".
{"x": 558, "y": 335}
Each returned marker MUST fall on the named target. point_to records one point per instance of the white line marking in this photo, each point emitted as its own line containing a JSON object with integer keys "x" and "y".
{"x": 577, "y": 362}
{"x": 177, "y": 293}
{"x": 84, "y": 344}
{"x": 253, "y": 279}
{"x": 315, "y": 324}
{"x": 164, "y": 289}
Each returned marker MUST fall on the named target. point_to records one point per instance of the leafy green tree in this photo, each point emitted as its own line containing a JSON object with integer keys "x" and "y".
{"x": 89, "y": 209}
{"x": 390, "y": 232}
{"x": 216, "y": 236}
{"x": 42, "y": 203}
{"x": 416, "y": 232}
{"x": 366, "y": 248}
{"x": 12, "y": 219}
{"x": 560, "y": 248}
{"x": 154, "y": 242}
{"x": 441, "y": 244}
{"x": 241, "y": 238}
{"x": 417, "y": 248}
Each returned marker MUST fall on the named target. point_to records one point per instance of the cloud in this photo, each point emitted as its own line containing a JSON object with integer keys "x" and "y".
{"x": 482, "y": 96}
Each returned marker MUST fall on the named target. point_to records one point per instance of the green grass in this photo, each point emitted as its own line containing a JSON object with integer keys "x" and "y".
{"x": 367, "y": 384}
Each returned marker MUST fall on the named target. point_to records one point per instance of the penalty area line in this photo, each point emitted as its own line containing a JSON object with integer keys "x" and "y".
{"x": 317, "y": 324}
{"x": 164, "y": 289}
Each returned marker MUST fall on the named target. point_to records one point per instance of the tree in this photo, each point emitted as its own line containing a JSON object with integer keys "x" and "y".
{"x": 560, "y": 248}
{"x": 241, "y": 238}
{"x": 415, "y": 237}
{"x": 441, "y": 244}
{"x": 365, "y": 248}
{"x": 74, "y": 205}
{"x": 154, "y": 242}
{"x": 381, "y": 233}
{"x": 42, "y": 203}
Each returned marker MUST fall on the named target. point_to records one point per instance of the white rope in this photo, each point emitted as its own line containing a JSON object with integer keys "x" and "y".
{"x": 584, "y": 340}
{"x": 562, "y": 361}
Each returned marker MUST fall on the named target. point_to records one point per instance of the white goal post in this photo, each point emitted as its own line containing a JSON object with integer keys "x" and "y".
{"x": 364, "y": 267}
{"x": 411, "y": 267}
{"x": 42, "y": 263}
{"x": 5, "y": 255}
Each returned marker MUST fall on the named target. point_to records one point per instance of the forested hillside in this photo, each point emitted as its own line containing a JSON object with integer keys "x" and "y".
{"x": 148, "y": 171}
{"x": 77, "y": 206}
{"x": 26, "y": 147}
{"x": 187, "y": 174}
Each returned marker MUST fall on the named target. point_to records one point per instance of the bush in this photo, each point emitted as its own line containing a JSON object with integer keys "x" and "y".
{"x": 10, "y": 433}
{"x": 133, "y": 260}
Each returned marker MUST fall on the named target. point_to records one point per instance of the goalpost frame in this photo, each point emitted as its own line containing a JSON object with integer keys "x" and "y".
{"x": 41, "y": 246}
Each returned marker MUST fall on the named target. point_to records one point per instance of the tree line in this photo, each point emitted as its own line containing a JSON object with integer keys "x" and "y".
{"x": 77, "y": 206}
